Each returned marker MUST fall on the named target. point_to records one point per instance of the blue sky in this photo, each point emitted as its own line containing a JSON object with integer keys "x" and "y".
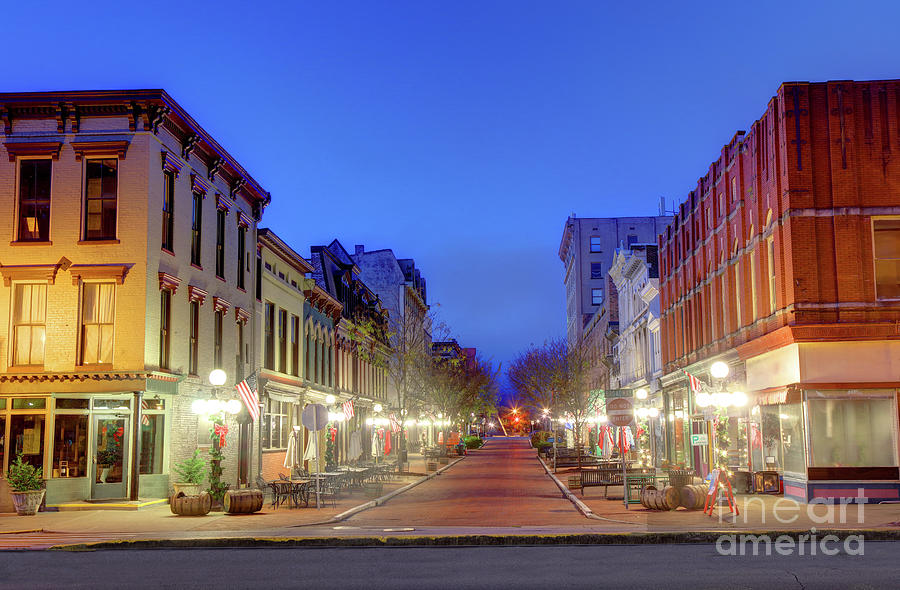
{"x": 459, "y": 133}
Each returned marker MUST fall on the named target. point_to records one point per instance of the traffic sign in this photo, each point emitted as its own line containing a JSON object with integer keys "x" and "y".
{"x": 699, "y": 440}
{"x": 314, "y": 417}
{"x": 620, "y": 411}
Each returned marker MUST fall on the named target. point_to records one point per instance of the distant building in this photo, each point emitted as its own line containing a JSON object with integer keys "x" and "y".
{"x": 586, "y": 250}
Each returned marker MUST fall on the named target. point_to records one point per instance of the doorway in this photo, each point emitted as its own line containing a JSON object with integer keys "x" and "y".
{"x": 110, "y": 454}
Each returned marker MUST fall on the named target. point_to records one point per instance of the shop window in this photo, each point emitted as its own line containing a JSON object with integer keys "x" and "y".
{"x": 34, "y": 200}
{"x": 276, "y": 425}
{"x": 887, "y": 258}
{"x": 29, "y": 403}
{"x": 97, "y": 323}
{"x": 152, "y": 436}
{"x": 100, "y": 196}
{"x": 792, "y": 438}
{"x": 26, "y": 431}
{"x": 765, "y": 439}
{"x": 852, "y": 433}
{"x": 112, "y": 404}
{"x": 70, "y": 444}
{"x": 29, "y": 323}
{"x": 72, "y": 404}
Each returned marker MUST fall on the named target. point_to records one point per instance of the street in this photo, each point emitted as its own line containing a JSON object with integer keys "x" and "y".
{"x": 649, "y": 566}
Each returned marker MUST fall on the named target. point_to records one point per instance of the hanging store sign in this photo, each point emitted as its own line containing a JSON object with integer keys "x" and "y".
{"x": 699, "y": 440}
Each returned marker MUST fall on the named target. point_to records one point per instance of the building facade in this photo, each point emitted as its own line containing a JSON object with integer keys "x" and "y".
{"x": 127, "y": 273}
{"x": 783, "y": 264}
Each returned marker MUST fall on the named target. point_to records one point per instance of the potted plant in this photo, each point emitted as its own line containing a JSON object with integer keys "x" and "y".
{"x": 26, "y": 483}
{"x": 190, "y": 474}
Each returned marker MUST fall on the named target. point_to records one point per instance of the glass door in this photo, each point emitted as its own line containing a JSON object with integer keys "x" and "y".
{"x": 110, "y": 452}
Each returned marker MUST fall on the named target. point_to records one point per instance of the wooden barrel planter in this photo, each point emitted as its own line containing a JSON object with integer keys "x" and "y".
{"x": 693, "y": 496}
{"x": 183, "y": 505}
{"x": 243, "y": 501}
{"x": 664, "y": 499}
{"x": 431, "y": 466}
{"x": 645, "y": 495}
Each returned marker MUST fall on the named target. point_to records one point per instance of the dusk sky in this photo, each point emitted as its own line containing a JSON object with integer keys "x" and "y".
{"x": 461, "y": 134}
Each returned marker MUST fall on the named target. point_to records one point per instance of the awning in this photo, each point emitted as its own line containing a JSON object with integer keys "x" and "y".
{"x": 783, "y": 395}
{"x": 282, "y": 397}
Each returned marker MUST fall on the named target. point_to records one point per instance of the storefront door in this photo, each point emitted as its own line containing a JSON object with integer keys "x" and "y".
{"x": 110, "y": 453}
{"x": 701, "y": 450}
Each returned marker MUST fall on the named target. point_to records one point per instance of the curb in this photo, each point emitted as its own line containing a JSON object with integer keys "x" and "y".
{"x": 378, "y": 501}
{"x": 581, "y": 506}
{"x": 697, "y": 537}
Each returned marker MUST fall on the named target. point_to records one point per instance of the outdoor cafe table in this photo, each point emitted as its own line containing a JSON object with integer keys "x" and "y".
{"x": 293, "y": 489}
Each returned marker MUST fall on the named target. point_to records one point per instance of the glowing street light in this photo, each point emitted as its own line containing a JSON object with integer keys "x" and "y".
{"x": 641, "y": 393}
{"x": 719, "y": 370}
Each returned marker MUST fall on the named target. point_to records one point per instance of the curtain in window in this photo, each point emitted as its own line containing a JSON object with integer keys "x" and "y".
{"x": 29, "y": 313}
{"x": 98, "y": 312}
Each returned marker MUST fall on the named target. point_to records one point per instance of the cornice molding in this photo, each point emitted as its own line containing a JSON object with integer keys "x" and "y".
{"x": 171, "y": 163}
{"x": 199, "y": 185}
{"x": 168, "y": 282}
{"x": 220, "y": 304}
{"x": 115, "y": 272}
{"x": 29, "y": 272}
{"x": 44, "y": 148}
{"x": 241, "y": 316}
{"x": 196, "y": 294}
{"x": 99, "y": 148}
{"x": 224, "y": 203}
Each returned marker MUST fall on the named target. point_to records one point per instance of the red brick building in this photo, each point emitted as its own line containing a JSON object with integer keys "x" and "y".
{"x": 784, "y": 263}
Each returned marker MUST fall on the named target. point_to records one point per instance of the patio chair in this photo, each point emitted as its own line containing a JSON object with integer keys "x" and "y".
{"x": 326, "y": 491}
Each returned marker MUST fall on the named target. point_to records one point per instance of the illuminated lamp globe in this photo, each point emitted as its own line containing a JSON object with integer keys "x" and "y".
{"x": 739, "y": 399}
{"x": 641, "y": 393}
{"x": 198, "y": 406}
{"x": 703, "y": 399}
{"x": 233, "y": 406}
{"x": 329, "y": 399}
{"x": 377, "y": 407}
{"x": 217, "y": 377}
{"x": 653, "y": 412}
{"x": 719, "y": 370}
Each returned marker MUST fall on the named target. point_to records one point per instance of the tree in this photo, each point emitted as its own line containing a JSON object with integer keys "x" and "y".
{"x": 554, "y": 376}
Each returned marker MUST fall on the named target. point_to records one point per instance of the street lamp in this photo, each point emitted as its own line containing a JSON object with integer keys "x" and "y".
{"x": 719, "y": 370}
{"x": 641, "y": 393}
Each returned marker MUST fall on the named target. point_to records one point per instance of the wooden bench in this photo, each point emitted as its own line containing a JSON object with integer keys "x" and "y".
{"x": 601, "y": 477}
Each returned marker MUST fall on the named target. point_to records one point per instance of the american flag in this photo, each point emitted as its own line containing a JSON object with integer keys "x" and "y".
{"x": 247, "y": 390}
{"x": 694, "y": 382}
{"x": 347, "y": 406}
{"x": 395, "y": 424}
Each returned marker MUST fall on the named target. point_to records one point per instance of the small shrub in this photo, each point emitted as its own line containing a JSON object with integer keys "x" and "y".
{"x": 191, "y": 470}
{"x": 473, "y": 442}
{"x": 24, "y": 477}
{"x": 539, "y": 437}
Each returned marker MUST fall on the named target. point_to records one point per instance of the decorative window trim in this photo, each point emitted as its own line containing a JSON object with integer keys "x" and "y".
{"x": 116, "y": 272}
{"x": 168, "y": 282}
{"x": 199, "y": 185}
{"x": 243, "y": 220}
{"x": 99, "y": 148}
{"x": 196, "y": 294}
{"x": 220, "y": 304}
{"x": 171, "y": 163}
{"x": 48, "y": 148}
{"x": 29, "y": 272}
{"x": 241, "y": 316}
{"x": 224, "y": 203}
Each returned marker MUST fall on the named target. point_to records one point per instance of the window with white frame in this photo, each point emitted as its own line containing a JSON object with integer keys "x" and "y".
{"x": 29, "y": 319}
{"x": 98, "y": 307}
{"x": 886, "y": 235}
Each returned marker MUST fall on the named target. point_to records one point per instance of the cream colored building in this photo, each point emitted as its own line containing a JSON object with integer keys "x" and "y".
{"x": 127, "y": 265}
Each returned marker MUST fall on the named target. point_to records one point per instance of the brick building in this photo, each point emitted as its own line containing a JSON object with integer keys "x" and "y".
{"x": 125, "y": 257}
{"x": 783, "y": 263}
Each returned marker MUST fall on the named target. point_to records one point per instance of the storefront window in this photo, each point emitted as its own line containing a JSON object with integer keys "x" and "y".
{"x": 765, "y": 439}
{"x": 70, "y": 441}
{"x": 152, "y": 434}
{"x": 276, "y": 428}
{"x": 792, "y": 438}
{"x": 72, "y": 404}
{"x": 2, "y": 440}
{"x": 852, "y": 433}
{"x": 27, "y": 435}
{"x": 29, "y": 403}
{"x": 112, "y": 404}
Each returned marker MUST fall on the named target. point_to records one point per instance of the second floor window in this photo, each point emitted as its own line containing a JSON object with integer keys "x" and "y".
{"x": 168, "y": 213}
{"x": 295, "y": 346}
{"x": 193, "y": 361}
{"x": 100, "y": 199}
{"x": 217, "y": 341}
{"x": 887, "y": 258}
{"x": 34, "y": 200}
{"x": 196, "y": 227}
{"x": 597, "y": 296}
{"x": 241, "y": 254}
{"x": 98, "y": 305}
{"x": 282, "y": 341}
{"x": 270, "y": 336}
{"x": 220, "y": 243}
{"x": 29, "y": 324}
{"x": 165, "y": 317}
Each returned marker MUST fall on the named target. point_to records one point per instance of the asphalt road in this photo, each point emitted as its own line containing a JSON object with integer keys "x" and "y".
{"x": 655, "y": 566}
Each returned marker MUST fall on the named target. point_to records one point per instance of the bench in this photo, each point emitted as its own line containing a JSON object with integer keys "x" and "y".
{"x": 601, "y": 477}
